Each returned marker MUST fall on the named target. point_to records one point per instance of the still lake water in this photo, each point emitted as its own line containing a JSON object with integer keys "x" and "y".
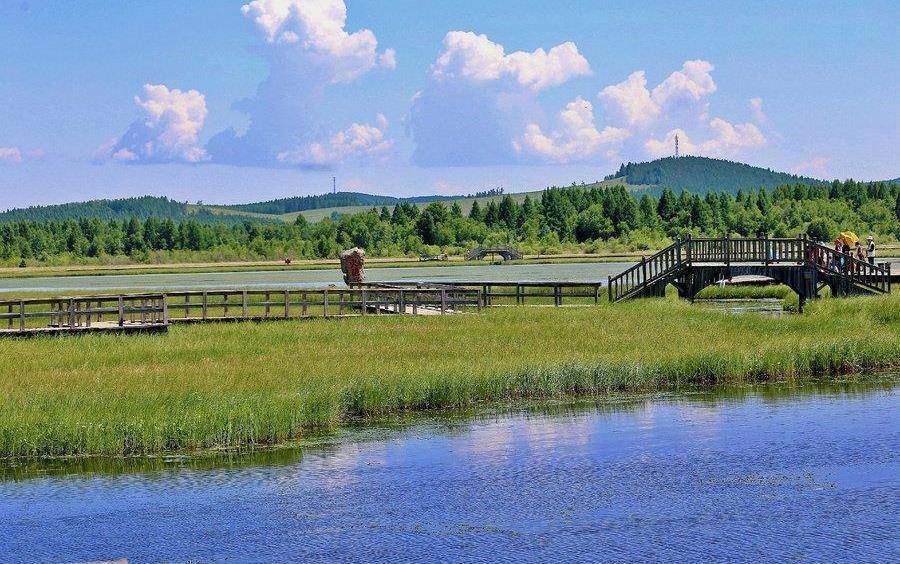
{"x": 574, "y": 272}
{"x": 771, "y": 474}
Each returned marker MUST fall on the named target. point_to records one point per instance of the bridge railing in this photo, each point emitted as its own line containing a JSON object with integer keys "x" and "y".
{"x": 648, "y": 271}
{"x": 848, "y": 268}
{"x": 726, "y": 250}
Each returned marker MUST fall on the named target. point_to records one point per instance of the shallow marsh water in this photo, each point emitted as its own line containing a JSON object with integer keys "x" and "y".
{"x": 276, "y": 279}
{"x": 773, "y": 473}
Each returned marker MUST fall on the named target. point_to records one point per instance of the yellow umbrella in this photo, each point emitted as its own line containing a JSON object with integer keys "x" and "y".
{"x": 848, "y": 237}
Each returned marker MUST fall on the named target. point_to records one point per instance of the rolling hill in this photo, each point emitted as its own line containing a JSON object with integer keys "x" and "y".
{"x": 695, "y": 174}
{"x": 702, "y": 175}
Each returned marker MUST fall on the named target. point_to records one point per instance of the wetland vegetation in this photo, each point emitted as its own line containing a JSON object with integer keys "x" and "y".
{"x": 239, "y": 385}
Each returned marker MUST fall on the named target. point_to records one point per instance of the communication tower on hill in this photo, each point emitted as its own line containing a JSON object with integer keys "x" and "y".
{"x": 676, "y": 145}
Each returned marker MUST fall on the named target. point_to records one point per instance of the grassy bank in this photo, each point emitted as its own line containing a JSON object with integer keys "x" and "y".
{"x": 243, "y": 384}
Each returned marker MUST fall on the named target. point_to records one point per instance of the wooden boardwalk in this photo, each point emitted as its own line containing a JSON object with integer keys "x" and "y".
{"x": 805, "y": 266}
{"x": 155, "y": 312}
{"x": 134, "y": 313}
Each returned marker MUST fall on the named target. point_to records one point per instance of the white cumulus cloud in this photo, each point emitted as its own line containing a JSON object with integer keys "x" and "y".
{"x": 168, "y": 129}
{"x": 576, "y": 138}
{"x": 316, "y": 27}
{"x": 478, "y": 99}
{"x": 308, "y": 50}
{"x": 474, "y": 57}
{"x": 730, "y": 138}
{"x": 360, "y": 141}
{"x": 692, "y": 82}
{"x": 629, "y": 101}
{"x": 727, "y": 140}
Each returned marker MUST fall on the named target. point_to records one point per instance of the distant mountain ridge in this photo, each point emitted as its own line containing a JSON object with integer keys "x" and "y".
{"x": 335, "y": 200}
{"x": 694, "y": 174}
{"x": 702, "y": 175}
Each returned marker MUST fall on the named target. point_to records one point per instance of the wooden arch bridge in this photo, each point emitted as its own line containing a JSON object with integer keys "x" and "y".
{"x": 806, "y": 266}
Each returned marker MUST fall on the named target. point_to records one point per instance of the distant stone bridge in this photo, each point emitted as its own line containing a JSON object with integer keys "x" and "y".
{"x": 507, "y": 253}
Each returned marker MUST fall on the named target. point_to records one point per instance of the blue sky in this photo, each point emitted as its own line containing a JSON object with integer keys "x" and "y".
{"x": 219, "y": 102}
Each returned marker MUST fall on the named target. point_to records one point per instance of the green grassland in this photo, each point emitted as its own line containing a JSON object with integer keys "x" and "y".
{"x": 238, "y": 385}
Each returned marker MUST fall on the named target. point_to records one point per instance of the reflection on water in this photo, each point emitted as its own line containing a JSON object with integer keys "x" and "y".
{"x": 766, "y": 306}
{"x": 575, "y": 272}
{"x": 775, "y": 472}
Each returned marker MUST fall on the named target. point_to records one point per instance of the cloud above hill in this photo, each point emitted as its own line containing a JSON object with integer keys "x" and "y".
{"x": 479, "y": 99}
{"x": 168, "y": 129}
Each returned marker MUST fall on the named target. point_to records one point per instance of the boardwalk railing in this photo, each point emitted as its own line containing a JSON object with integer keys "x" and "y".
{"x": 143, "y": 312}
{"x": 233, "y": 305}
{"x": 839, "y": 270}
{"x": 54, "y": 315}
{"x": 497, "y": 293}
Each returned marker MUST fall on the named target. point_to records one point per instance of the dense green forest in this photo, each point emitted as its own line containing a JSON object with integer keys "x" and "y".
{"x": 125, "y": 208}
{"x": 702, "y": 175}
{"x": 141, "y": 208}
{"x": 571, "y": 219}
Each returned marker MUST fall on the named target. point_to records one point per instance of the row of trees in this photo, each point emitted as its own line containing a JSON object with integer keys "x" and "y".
{"x": 572, "y": 218}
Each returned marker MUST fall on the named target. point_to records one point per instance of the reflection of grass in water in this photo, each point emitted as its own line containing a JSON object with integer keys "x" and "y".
{"x": 453, "y": 422}
{"x": 259, "y": 384}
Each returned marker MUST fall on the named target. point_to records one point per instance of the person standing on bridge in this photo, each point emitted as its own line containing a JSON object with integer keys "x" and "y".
{"x": 838, "y": 262}
{"x": 870, "y": 249}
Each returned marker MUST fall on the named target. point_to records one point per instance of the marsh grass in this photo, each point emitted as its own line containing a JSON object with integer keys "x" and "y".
{"x": 245, "y": 384}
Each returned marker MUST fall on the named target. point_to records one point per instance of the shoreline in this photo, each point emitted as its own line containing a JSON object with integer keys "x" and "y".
{"x": 216, "y": 386}
{"x": 362, "y": 430}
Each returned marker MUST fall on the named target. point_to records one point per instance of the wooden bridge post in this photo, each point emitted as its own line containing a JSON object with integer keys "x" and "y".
{"x": 325, "y": 303}
{"x": 644, "y": 269}
{"x": 21, "y": 315}
{"x": 727, "y": 241}
{"x": 121, "y": 304}
{"x": 10, "y": 318}
{"x": 244, "y": 304}
{"x": 609, "y": 288}
{"x": 443, "y": 301}
{"x": 688, "y": 251}
{"x": 362, "y": 301}
{"x": 205, "y": 303}
{"x": 287, "y": 304}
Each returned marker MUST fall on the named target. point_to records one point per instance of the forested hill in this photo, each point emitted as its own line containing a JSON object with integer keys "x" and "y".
{"x": 124, "y": 208}
{"x": 701, "y": 175}
{"x": 336, "y": 200}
